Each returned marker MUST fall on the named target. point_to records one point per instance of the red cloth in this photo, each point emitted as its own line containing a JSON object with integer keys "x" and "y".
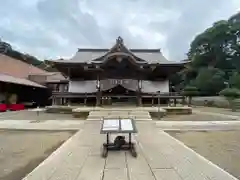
{"x": 3, "y": 107}
{"x": 16, "y": 107}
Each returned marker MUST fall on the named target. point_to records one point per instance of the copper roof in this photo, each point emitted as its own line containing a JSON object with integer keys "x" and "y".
{"x": 55, "y": 77}
{"x": 147, "y": 56}
{"x": 10, "y": 79}
{"x": 17, "y": 68}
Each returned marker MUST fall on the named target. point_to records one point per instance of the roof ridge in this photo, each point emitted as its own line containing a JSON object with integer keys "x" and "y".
{"x": 107, "y": 49}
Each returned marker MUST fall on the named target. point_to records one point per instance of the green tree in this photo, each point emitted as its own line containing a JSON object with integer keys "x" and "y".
{"x": 190, "y": 91}
{"x": 214, "y": 57}
{"x": 210, "y": 81}
{"x": 234, "y": 80}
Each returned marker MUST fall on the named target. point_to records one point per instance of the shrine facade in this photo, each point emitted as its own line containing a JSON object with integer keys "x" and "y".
{"x": 118, "y": 74}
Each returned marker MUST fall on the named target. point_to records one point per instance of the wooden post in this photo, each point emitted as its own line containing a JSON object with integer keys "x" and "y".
{"x": 53, "y": 100}
{"x": 152, "y": 100}
{"x": 98, "y": 94}
{"x": 139, "y": 93}
{"x": 159, "y": 116}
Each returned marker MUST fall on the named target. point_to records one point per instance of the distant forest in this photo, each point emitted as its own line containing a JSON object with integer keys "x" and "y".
{"x": 6, "y": 48}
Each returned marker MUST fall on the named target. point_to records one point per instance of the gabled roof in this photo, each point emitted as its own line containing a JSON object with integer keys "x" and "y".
{"x": 91, "y": 56}
{"x": 10, "y": 79}
{"x": 18, "y": 68}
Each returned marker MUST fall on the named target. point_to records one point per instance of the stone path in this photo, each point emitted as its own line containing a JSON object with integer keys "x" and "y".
{"x": 161, "y": 157}
{"x": 77, "y": 124}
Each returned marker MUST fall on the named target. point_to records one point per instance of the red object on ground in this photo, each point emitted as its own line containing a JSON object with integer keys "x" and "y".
{"x": 16, "y": 107}
{"x": 3, "y": 107}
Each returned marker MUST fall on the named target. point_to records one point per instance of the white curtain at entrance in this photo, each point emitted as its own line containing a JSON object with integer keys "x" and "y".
{"x": 107, "y": 84}
{"x": 130, "y": 84}
{"x": 155, "y": 86}
{"x": 82, "y": 86}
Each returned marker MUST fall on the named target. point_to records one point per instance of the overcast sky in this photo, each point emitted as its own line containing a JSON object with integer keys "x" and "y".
{"x": 56, "y": 28}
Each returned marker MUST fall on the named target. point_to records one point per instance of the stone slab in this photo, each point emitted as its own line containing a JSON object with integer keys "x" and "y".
{"x": 166, "y": 174}
{"x": 116, "y": 174}
{"x": 116, "y": 160}
{"x": 93, "y": 169}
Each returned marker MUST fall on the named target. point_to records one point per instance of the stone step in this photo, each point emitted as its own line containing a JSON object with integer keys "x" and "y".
{"x": 124, "y": 112}
{"x": 121, "y": 115}
{"x": 117, "y": 112}
{"x": 137, "y": 115}
{"x": 140, "y": 119}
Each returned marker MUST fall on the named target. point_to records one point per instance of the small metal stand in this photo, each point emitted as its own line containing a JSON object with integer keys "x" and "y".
{"x": 38, "y": 110}
{"x": 129, "y": 129}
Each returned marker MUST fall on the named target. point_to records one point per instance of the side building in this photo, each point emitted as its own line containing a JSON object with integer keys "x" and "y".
{"x": 24, "y": 85}
{"x": 115, "y": 75}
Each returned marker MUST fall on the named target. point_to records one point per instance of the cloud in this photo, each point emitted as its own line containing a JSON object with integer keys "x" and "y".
{"x": 56, "y": 28}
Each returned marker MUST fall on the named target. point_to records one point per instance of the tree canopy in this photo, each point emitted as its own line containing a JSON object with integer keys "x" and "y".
{"x": 6, "y": 48}
{"x": 214, "y": 57}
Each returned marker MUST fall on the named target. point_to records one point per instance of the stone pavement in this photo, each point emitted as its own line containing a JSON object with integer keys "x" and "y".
{"x": 161, "y": 157}
{"x": 77, "y": 124}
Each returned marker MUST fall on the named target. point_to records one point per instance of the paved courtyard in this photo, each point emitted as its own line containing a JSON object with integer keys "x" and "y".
{"x": 161, "y": 157}
{"x": 220, "y": 147}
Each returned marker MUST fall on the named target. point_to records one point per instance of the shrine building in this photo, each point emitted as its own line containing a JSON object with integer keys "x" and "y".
{"x": 115, "y": 75}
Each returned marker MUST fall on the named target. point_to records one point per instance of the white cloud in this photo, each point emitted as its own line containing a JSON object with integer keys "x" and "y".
{"x": 55, "y": 28}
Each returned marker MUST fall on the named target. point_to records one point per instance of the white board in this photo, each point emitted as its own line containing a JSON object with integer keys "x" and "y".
{"x": 126, "y": 125}
{"x": 112, "y": 125}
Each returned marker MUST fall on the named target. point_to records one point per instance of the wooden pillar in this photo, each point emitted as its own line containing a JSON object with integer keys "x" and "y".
{"x": 159, "y": 100}
{"x": 139, "y": 96}
{"x": 53, "y": 100}
{"x": 159, "y": 114}
{"x": 175, "y": 102}
{"x": 68, "y": 102}
{"x": 152, "y": 101}
{"x": 98, "y": 94}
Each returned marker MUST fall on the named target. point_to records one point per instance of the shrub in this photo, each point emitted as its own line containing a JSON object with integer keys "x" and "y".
{"x": 230, "y": 93}
{"x": 190, "y": 91}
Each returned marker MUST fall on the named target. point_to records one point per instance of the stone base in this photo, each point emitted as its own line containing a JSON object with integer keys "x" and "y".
{"x": 81, "y": 115}
{"x": 178, "y": 110}
{"x": 83, "y": 112}
{"x": 59, "y": 109}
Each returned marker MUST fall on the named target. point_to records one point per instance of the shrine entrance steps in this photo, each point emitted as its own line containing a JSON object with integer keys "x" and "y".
{"x": 135, "y": 114}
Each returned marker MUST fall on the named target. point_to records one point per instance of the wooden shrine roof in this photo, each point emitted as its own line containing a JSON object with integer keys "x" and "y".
{"x": 98, "y": 56}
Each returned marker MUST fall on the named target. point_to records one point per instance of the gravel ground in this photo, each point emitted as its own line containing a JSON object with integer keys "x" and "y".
{"x": 31, "y": 115}
{"x": 218, "y": 110}
{"x": 220, "y": 147}
{"x": 22, "y": 151}
{"x": 194, "y": 117}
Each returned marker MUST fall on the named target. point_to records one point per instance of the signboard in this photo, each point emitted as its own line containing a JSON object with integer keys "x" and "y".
{"x": 118, "y": 126}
